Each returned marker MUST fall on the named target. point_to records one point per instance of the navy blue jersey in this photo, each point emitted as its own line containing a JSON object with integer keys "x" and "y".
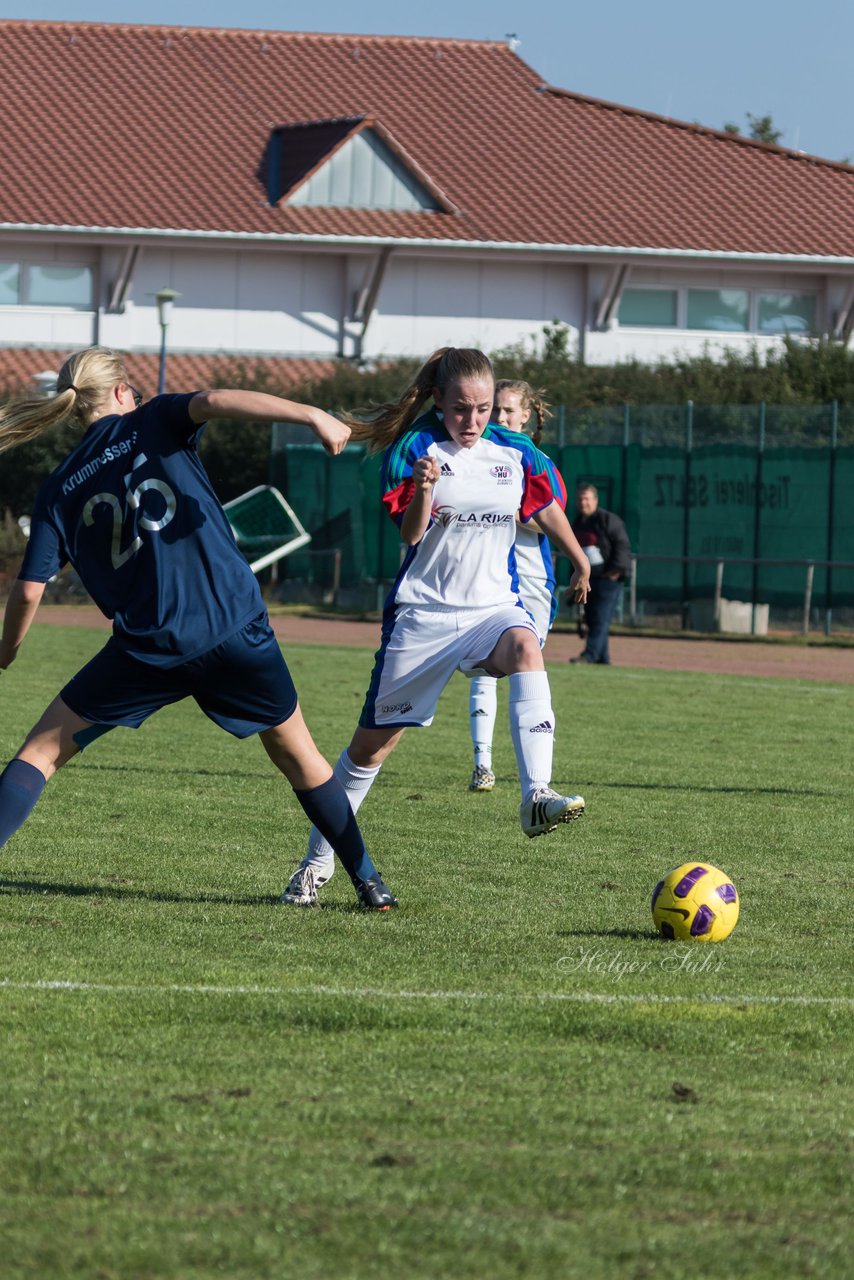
{"x": 132, "y": 509}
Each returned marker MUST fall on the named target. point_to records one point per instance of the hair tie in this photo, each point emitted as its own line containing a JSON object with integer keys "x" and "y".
{"x": 71, "y": 387}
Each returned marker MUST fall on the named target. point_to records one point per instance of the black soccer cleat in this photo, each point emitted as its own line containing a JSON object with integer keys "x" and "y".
{"x": 373, "y": 894}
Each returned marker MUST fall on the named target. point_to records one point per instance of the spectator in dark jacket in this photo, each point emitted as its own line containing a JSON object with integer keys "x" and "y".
{"x": 603, "y": 537}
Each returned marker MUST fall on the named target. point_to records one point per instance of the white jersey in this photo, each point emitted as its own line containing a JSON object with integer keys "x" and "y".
{"x": 467, "y": 557}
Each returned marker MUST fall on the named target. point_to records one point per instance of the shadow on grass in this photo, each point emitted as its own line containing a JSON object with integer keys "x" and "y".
{"x": 42, "y": 887}
{"x": 193, "y": 773}
{"x": 19, "y": 888}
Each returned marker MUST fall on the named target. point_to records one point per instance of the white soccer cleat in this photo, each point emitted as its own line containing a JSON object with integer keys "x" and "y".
{"x": 546, "y": 809}
{"x": 482, "y": 779}
{"x": 302, "y": 888}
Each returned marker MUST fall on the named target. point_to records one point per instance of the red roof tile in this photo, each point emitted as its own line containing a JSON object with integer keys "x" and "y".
{"x": 19, "y": 365}
{"x": 192, "y": 112}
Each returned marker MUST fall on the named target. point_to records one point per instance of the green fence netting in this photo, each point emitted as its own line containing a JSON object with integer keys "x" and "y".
{"x": 698, "y": 486}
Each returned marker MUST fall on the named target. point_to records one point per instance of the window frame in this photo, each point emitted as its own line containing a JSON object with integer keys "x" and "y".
{"x": 753, "y": 294}
{"x": 24, "y": 266}
{"x": 656, "y": 288}
{"x": 804, "y": 333}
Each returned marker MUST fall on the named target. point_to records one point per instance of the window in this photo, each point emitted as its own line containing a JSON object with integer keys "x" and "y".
{"x": 9, "y": 283}
{"x": 59, "y": 286}
{"x": 31, "y": 284}
{"x": 772, "y": 312}
{"x": 785, "y": 313}
{"x": 648, "y": 308}
{"x": 724, "y": 310}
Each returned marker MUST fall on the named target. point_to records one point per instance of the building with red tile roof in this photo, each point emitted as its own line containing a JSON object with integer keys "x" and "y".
{"x": 313, "y": 197}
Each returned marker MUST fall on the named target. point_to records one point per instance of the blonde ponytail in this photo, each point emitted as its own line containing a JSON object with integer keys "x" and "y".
{"x": 82, "y": 386}
{"x": 387, "y": 422}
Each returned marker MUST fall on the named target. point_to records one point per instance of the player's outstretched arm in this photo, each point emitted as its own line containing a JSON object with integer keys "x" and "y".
{"x": 553, "y": 522}
{"x": 24, "y": 600}
{"x": 258, "y": 406}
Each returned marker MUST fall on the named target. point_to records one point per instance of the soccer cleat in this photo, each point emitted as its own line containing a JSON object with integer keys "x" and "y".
{"x": 302, "y": 888}
{"x": 373, "y": 894}
{"x": 482, "y": 779}
{"x": 545, "y": 809}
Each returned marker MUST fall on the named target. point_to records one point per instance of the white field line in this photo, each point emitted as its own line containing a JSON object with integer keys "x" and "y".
{"x": 378, "y": 993}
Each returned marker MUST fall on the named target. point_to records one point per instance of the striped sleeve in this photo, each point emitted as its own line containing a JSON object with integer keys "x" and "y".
{"x": 543, "y": 484}
{"x": 396, "y": 473}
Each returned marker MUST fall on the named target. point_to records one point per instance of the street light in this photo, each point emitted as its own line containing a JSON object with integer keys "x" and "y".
{"x": 165, "y": 299}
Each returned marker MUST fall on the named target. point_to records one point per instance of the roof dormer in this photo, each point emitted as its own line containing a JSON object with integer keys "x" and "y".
{"x": 348, "y": 163}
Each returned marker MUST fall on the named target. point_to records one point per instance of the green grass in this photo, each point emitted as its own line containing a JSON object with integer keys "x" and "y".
{"x": 509, "y": 1076}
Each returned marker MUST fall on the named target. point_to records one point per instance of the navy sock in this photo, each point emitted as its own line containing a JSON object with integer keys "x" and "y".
{"x": 21, "y": 784}
{"x": 328, "y": 808}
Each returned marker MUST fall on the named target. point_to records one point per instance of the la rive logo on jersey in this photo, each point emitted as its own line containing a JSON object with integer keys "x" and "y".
{"x": 502, "y": 473}
{"x": 471, "y": 520}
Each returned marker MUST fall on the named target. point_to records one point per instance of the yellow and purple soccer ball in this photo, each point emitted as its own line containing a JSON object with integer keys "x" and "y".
{"x": 695, "y": 903}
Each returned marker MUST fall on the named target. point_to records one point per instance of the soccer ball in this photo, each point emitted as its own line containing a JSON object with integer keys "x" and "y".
{"x": 695, "y": 902}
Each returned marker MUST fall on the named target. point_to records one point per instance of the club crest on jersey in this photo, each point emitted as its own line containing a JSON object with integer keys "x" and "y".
{"x": 501, "y": 473}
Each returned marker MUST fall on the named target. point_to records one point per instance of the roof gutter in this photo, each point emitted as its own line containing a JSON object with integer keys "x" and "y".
{"x": 414, "y": 242}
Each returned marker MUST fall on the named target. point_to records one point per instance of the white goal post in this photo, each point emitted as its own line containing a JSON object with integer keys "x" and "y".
{"x": 265, "y": 526}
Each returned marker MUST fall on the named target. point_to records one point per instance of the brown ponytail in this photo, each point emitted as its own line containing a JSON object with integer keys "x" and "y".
{"x": 387, "y": 422}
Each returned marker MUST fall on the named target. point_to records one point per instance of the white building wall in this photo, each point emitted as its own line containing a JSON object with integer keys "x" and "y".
{"x": 425, "y": 304}
{"x": 46, "y": 327}
{"x": 651, "y": 345}
{"x": 290, "y": 302}
{"x": 276, "y": 303}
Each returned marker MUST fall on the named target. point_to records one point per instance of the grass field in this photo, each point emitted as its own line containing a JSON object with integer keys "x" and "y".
{"x": 509, "y": 1076}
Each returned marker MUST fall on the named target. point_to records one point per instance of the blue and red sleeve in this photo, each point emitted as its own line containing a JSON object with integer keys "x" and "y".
{"x": 396, "y": 474}
{"x": 396, "y": 500}
{"x": 543, "y": 484}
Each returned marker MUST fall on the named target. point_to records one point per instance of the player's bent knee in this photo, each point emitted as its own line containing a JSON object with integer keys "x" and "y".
{"x": 518, "y": 650}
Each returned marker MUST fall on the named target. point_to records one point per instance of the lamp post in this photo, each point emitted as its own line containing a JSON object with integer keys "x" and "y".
{"x": 165, "y": 299}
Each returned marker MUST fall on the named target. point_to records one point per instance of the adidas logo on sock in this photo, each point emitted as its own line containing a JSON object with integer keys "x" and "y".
{"x": 480, "y": 712}
{"x": 544, "y": 727}
{"x": 446, "y": 469}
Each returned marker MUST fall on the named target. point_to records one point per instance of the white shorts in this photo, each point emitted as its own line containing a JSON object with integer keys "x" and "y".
{"x": 421, "y": 649}
{"x": 540, "y": 603}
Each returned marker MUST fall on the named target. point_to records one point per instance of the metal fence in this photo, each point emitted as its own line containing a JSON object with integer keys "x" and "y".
{"x": 716, "y": 615}
{"x": 760, "y": 425}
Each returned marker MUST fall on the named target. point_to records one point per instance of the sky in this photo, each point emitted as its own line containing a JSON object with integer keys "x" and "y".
{"x": 708, "y": 62}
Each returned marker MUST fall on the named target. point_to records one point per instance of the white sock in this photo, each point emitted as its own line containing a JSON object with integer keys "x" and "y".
{"x": 357, "y": 782}
{"x": 483, "y": 706}
{"x": 532, "y": 725}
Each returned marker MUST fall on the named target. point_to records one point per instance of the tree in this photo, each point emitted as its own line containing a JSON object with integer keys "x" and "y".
{"x": 761, "y": 129}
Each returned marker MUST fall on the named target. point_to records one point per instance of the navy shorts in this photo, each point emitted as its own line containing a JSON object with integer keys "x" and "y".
{"x": 243, "y": 685}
